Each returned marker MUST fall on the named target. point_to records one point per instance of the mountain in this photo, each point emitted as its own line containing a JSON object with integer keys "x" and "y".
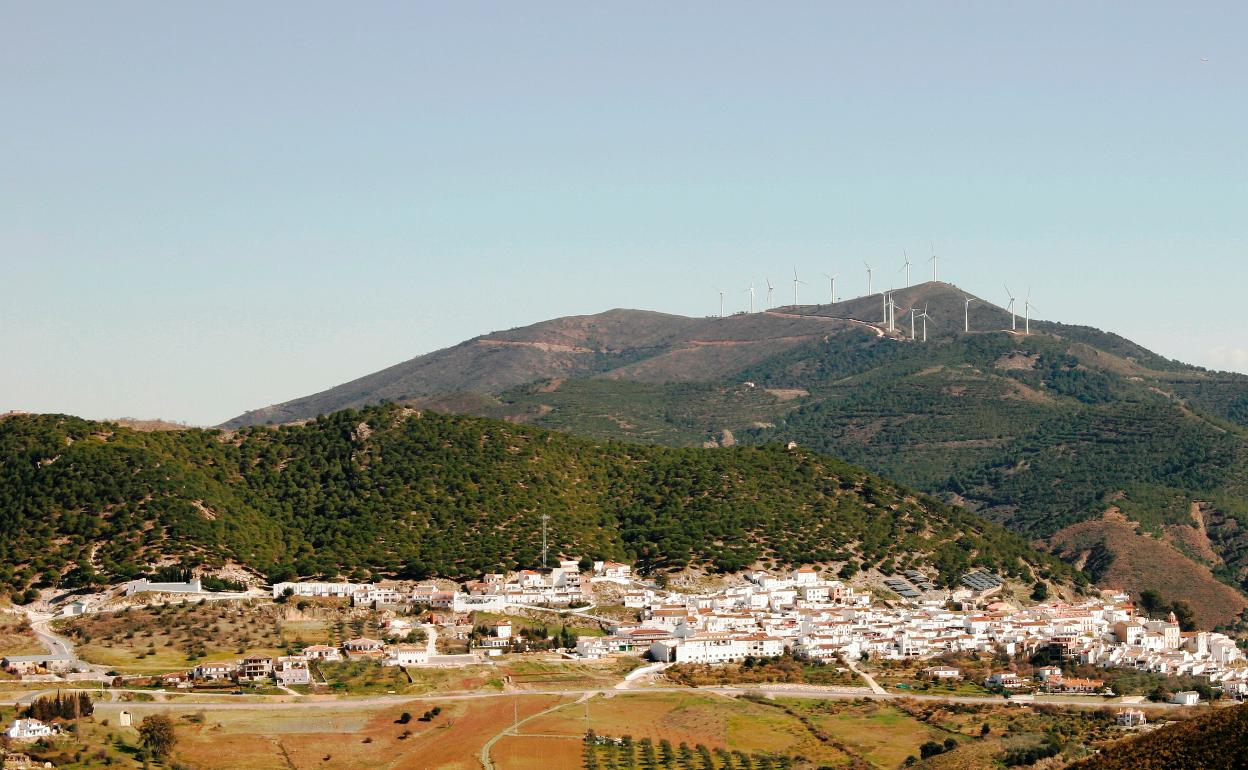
{"x": 631, "y": 345}
{"x": 1214, "y": 740}
{"x": 1129, "y": 465}
{"x": 390, "y": 491}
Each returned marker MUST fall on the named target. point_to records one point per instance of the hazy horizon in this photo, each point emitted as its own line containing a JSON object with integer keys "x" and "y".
{"x": 209, "y": 210}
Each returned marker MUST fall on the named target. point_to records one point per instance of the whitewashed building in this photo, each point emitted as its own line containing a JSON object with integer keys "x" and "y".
{"x": 28, "y": 730}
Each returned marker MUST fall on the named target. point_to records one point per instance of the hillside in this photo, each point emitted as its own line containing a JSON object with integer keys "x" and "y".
{"x": 1215, "y": 740}
{"x": 395, "y": 492}
{"x": 1040, "y": 432}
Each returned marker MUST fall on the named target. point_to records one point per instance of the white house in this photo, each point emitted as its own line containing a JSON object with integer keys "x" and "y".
{"x": 28, "y": 730}
{"x": 322, "y": 652}
{"x": 1006, "y": 679}
{"x": 943, "y": 672}
{"x": 1132, "y": 718}
{"x": 292, "y": 669}
{"x": 601, "y": 646}
{"x": 612, "y": 570}
{"x": 362, "y": 645}
{"x": 214, "y": 672}
{"x": 806, "y": 576}
{"x": 1185, "y": 698}
{"x": 75, "y": 608}
{"x": 405, "y": 655}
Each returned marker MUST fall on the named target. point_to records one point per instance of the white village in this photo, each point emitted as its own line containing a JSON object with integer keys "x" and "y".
{"x": 801, "y": 613}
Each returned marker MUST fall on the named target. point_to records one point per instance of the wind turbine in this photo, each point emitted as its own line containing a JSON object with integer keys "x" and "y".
{"x": 870, "y": 271}
{"x": 795, "y": 283}
{"x": 892, "y": 313}
{"x": 884, "y": 307}
{"x": 770, "y": 290}
{"x": 1010, "y": 309}
{"x": 966, "y": 316}
{"x": 1027, "y": 308}
{"x": 925, "y": 318}
{"x": 750, "y": 291}
{"x": 934, "y": 260}
{"x": 721, "y": 302}
{"x": 906, "y": 266}
{"x": 913, "y": 312}
{"x": 831, "y": 285}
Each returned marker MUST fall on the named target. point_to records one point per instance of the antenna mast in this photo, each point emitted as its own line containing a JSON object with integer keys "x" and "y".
{"x": 545, "y": 518}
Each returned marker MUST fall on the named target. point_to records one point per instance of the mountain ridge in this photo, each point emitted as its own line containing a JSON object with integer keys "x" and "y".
{"x": 618, "y": 343}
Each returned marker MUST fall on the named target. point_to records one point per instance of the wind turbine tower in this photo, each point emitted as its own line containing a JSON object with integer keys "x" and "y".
{"x": 831, "y": 286}
{"x": 924, "y": 316}
{"x": 935, "y": 260}
{"x": 770, "y": 291}
{"x": 1010, "y": 308}
{"x": 892, "y": 313}
{"x": 913, "y": 312}
{"x": 750, "y": 291}
{"x": 966, "y": 316}
{"x": 906, "y": 266}
{"x": 721, "y": 302}
{"x": 1027, "y": 308}
{"x": 795, "y": 283}
{"x": 870, "y": 272}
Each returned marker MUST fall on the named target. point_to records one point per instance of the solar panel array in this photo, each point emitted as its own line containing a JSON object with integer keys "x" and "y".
{"x": 981, "y": 581}
{"x": 902, "y": 588}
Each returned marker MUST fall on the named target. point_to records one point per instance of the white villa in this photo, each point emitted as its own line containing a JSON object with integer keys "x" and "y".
{"x": 28, "y": 730}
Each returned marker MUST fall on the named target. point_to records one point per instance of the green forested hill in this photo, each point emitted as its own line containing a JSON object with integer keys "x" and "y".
{"x": 390, "y": 491}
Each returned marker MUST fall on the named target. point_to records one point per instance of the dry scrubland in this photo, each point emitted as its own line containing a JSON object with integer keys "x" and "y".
{"x": 173, "y": 637}
{"x": 16, "y": 638}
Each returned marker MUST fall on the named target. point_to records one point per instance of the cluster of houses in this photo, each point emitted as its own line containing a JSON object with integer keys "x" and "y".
{"x": 563, "y": 586}
{"x": 1048, "y": 679}
{"x": 294, "y": 670}
{"x": 816, "y": 618}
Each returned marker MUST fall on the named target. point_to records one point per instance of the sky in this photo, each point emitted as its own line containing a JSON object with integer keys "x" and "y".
{"x": 208, "y": 208}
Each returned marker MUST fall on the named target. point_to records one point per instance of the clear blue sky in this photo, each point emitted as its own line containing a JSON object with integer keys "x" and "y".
{"x": 206, "y": 208}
